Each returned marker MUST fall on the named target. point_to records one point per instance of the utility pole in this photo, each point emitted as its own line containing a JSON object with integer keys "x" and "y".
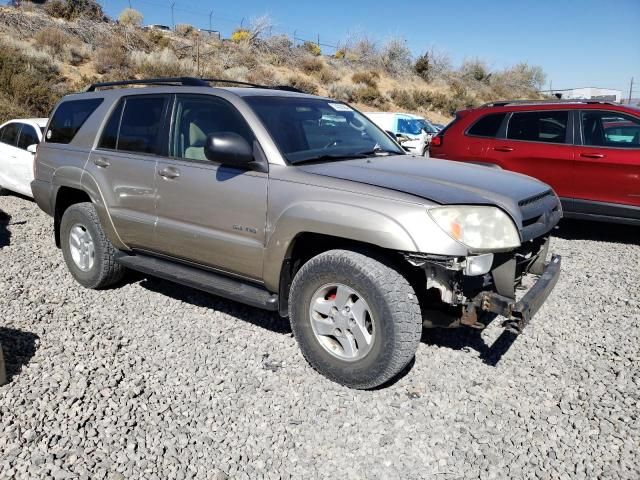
{"x": 210, "y": 16}
{"x": 129, "y": 3}
{"x": 173, "y": 23}
{"x": 630, "y": 90}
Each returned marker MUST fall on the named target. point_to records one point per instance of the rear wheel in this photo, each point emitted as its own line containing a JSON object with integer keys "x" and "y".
{"x": 356, "y": 319}
{"x": 89, "y": 255}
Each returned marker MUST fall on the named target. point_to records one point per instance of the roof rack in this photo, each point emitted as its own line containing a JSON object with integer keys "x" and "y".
{"x": 504, "y": 103}
{"x": 186, "y": 82}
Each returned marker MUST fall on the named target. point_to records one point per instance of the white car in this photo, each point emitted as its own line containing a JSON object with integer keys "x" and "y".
{"x": 412, "y": 131}
{"x": 18, "y": 142}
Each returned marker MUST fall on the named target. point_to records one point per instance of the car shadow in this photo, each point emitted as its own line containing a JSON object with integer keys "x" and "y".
{"x": 18, "y": 348}
{"x": 5, "y": 233}
{"x": 570, "y": 229}
{"x": 255, "y": 316}
{"x": 466, "y": 338}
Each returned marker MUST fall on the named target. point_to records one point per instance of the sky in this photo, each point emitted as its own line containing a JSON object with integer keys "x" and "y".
{"x": 583, "y": 43}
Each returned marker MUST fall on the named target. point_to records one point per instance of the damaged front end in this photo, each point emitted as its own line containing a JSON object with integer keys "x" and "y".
{"x": 471, "y": 290}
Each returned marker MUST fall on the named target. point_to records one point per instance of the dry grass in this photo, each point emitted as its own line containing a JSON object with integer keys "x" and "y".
{"x": 364, "y": 73}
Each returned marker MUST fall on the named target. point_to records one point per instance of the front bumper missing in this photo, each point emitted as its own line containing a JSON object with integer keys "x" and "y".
{"x": 519, "y": 314}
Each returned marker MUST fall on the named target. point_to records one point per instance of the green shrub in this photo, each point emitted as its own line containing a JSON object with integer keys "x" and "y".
{"x": 369, "y": 78}
{"x": 304, "y": 84}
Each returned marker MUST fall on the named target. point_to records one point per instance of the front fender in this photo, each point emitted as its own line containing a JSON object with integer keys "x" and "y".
{"x": 350, "y": 222}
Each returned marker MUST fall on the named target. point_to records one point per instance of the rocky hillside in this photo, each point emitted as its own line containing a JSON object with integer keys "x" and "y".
{"x": 48, "y": 51}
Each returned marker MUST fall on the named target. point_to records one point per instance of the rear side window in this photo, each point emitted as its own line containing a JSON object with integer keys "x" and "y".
{"x": 487, "y": 126}
{"x": 28, "y": 136}
{"x": 69, "y": 118}
{"x": 610, "y": 129}
{"x": 550, "y": 127}
{"x": 135, "y": 125}
{"x": 9, "y": 134}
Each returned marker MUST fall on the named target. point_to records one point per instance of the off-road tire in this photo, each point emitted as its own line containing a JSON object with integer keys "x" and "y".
{"x": 393, "y": 304}
{"x": 105, "y": 271}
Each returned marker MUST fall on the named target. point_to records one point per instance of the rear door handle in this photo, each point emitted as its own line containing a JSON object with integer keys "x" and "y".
{"x": 503, "y": 149}
{"x": 101, "y": 162}
{"x": 169, "y": 172}
{"x": 592, "y": 155}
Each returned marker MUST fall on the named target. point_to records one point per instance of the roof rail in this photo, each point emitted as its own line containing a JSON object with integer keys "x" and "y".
{"x": 186, "y": 82}
{"x": 503, "y": 103}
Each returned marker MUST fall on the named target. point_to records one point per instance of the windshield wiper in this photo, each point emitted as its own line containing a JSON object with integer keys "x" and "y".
{"x": 332, "y": 158}
{"x": 378, "y": 151}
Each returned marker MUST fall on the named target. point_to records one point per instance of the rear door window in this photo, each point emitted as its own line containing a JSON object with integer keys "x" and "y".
{"x": 69, "y": 118}
{"x": 610, "y": 129}
{"x": 487, "y": 126}
{"x": 9, "y": 134}
{"x": 548, "y": 126}
{"x": 28, "y": 136}
{"x": 140, "y": 125}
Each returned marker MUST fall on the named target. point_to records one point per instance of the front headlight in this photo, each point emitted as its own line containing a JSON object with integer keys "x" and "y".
{"x": 479, "y": 228}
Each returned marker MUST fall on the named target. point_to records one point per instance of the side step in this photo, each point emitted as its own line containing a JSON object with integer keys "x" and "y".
{"x": 233, "y": 289}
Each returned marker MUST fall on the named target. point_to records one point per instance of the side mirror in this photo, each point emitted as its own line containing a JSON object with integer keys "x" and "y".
{"x": 32, "y": 148}
{"x": 228, "y": 148}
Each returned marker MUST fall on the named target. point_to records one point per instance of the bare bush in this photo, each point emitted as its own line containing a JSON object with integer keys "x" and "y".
{"x": 53, "y": 38}
{"x": 185, "y": 29}
{"x": 396, "y": 57}
{"x": 369, "y": 78}
{"x": 432, "y": 64}
{"x": 311, "y": 65}
{"x": 475, "y": 69}
{"x": 302, "y": 83}
{"x": 74, "y": 9}
{"x": 130, "y": 17}
{"x": 113, "y": 56}
{"x": 164, "y": 63}
{"x": 342, "y": 91}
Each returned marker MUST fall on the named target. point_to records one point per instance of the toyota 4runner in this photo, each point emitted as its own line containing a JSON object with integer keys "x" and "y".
{"x": 297, "y": 204}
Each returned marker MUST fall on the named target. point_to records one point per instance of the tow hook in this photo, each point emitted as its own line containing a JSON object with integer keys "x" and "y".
{"x": 470, "y": 317}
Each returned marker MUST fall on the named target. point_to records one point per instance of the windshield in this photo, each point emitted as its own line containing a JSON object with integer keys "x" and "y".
{"x": 309, "y": 129}
{"x": 414, "y": 126}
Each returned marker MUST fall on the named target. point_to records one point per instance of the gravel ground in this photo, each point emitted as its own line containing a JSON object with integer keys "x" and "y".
{"x": 153, "y": 380}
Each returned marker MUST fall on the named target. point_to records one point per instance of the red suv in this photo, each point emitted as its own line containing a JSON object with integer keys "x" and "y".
{"x": 588, "y": 151}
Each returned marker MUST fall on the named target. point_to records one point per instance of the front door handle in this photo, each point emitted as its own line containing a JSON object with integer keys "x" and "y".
{"x": 592, "y": 155}
{"x": 101, "y": 162}
{"x": 503, "y": 149}
{"x": 169, "y": 172}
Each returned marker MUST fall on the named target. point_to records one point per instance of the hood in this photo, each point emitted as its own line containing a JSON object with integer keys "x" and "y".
{"x": 526, "y": 199}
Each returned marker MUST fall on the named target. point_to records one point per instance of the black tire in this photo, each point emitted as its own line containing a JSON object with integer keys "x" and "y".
{"x": 394, "y": 308}
{"x": 105, "y": 271}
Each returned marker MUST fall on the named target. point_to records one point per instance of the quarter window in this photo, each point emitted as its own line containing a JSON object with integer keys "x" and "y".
{"x": 610, "y": 129}
{"x": 550, "y": 127}
{"x": 487, "y": 126}
{"x": 69, "y": 118}
{"x": 197, "y": 117}
{"x": 9, "y": 134}
{"x": 28, "y": 136}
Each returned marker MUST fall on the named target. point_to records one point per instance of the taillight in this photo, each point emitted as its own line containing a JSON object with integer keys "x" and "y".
{"x": 436, "y": 141}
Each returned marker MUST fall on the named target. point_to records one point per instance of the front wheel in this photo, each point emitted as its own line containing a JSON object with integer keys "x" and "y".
{"x": 88, "y": 253}
{"x": 357, "y": 320}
